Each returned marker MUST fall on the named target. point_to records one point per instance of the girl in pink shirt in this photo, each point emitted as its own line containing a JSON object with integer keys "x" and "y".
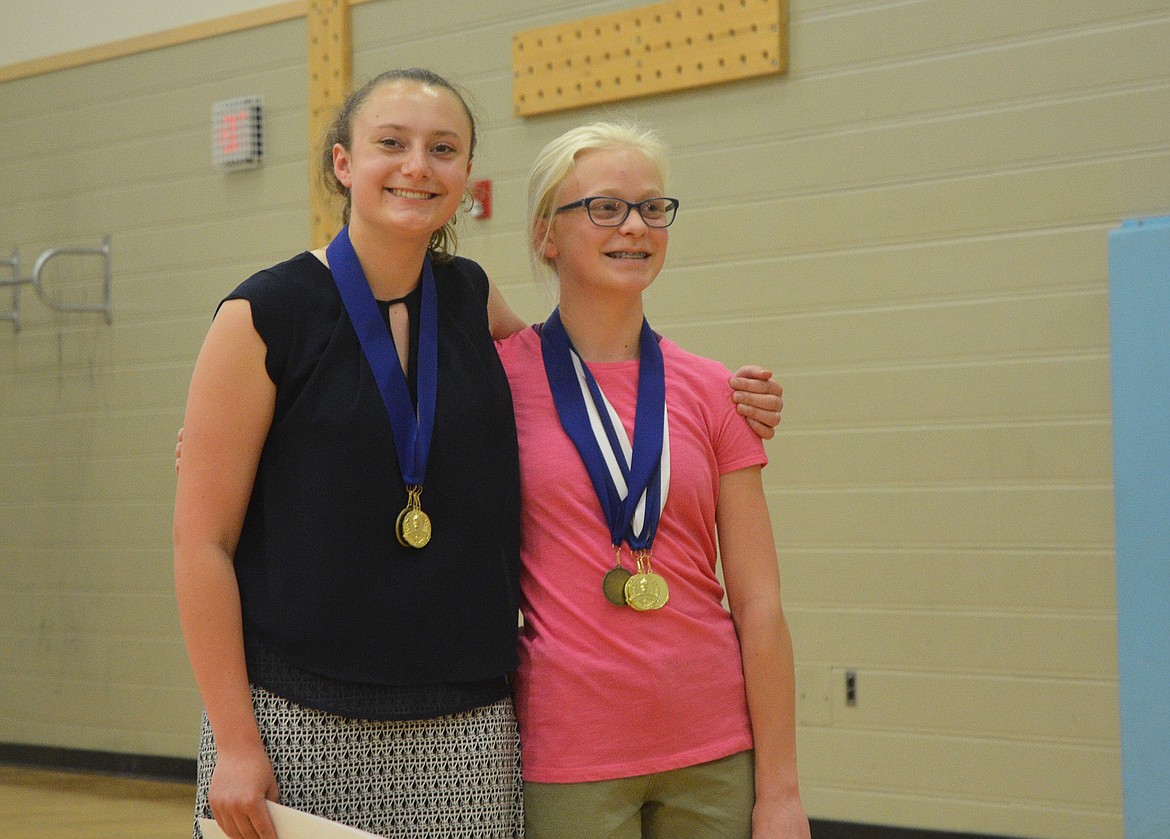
{"x": 646, "y": 709}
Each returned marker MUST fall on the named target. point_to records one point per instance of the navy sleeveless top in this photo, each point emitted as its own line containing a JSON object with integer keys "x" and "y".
{"x": 330, "y": 599}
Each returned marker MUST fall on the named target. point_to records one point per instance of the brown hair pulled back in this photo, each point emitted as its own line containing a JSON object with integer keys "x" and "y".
{"x": 443, "y": 240}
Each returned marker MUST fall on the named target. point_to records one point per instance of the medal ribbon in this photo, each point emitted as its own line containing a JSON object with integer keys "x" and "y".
{"x": 631, "y": 481}
{"x": 412, "y": 431}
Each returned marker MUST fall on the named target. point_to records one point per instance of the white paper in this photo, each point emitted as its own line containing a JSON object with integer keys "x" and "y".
{"x": 294, "y": 824}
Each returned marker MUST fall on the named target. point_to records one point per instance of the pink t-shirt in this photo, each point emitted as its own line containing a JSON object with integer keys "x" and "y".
{"x": 604, "y": 691}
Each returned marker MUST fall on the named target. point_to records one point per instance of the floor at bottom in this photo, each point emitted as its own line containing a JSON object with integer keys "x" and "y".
{"x": 39, "y": 804}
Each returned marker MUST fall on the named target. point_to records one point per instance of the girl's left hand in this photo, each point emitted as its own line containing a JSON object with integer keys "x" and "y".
{"x": 758, "y": 398}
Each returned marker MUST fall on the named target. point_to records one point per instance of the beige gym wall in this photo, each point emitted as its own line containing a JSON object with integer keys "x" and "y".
{"x": 910, "y": 227}
{"x": 90, "y": 653}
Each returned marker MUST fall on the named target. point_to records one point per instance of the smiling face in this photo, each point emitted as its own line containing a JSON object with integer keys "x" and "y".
{"x": 408, "y": 162}
{"x": 614, "y": 260}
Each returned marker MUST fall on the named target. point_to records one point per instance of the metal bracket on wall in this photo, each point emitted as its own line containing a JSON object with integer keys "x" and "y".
{"x": 16, "y": 281}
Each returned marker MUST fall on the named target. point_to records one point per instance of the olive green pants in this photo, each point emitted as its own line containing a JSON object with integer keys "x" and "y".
{"x": 709, "y": 801}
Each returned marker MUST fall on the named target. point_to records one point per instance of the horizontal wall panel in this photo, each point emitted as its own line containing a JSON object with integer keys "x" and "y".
{"x": 1009, "y": 327}
{"x": 1017, "y": 137}
{"x": 951, "y": 814}
{"x": 903, "y": 577}
{"x": 789, "y": 286}
{"x": 70, "y": 528}
{"x": 43, "y": 569}
{"x": 120, "y": 434}
{"x": 843, "y": 37}
{"x": 856, "y": 98}
{"x": 217, "y": 59}
{"x": 946, "y": 517}
{"x": 159, "y": 126}
{"x": 74, "y": 347}
{"x": 106, "y": 713}
{"x": 1057, "y": 775}
{"x": 126, "y": 615}
{"x": 993, "y": 392}
{"x": 989, "y": 204}
{"x": 1023, "y": 708}
{"x": 1064, "y": 646}
{"x": 91, "y": 658}
{"x": 97, "y": 479}
{"x": 145, "y": 205}
{"x": 119, "y": 165}
{"x": 83, "y": 390}
{"x": 947, "y": 455}
{"x": 249, "y": 242}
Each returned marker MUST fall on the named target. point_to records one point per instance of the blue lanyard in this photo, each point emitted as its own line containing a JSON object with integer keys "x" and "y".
{"x": 412, "y": 432}
{"x": 643, "y": 474}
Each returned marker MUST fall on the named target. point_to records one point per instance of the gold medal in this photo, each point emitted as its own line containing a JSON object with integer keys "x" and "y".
{"x": 413, "y": 527}
{"x": 614, "y": 585}
{"x": 614, "y": 582}
{"x": 646, "y": 591}
{"x": 398, "y": 528}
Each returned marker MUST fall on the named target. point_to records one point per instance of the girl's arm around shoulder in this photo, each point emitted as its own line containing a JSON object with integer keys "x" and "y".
{"x": 751, "y": 392}
{"x": 229, "y": 411}
{"x": 501, "y": 319}
{"x": 748, "y": 552}
{"x": 759, "y": 399}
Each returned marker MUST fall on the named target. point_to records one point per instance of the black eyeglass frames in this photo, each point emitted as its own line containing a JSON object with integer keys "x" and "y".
{"x": 605, "y": 211}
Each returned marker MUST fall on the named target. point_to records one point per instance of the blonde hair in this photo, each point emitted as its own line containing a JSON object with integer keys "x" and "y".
{"x": 555, "y": 163}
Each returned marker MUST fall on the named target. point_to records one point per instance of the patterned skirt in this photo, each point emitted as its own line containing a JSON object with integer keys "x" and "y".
{"x": 452, "y": 777}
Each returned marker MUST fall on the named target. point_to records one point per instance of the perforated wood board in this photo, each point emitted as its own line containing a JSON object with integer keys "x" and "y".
{"x": 651, "y": 49}
{"x": 330, "y": 72}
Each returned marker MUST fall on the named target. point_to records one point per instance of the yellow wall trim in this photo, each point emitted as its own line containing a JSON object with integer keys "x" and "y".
{"x": 330, "y": 73}
{"x": 275, "y": 13}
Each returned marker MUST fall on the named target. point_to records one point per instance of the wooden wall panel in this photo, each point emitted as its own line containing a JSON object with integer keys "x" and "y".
{"x": 648, "y": 50}
{"x": 330, "y": 74}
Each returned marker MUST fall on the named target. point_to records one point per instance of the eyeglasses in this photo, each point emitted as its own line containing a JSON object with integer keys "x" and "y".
{"x": 613, "y": 212}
